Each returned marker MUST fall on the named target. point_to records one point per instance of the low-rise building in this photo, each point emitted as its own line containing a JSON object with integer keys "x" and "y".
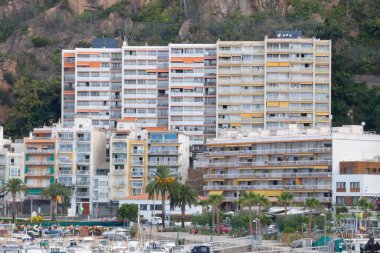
{"x": 294, "y": 160}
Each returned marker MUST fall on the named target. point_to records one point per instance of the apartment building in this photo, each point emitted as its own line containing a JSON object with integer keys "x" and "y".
{"x": 273, "y": 83}
{"x": 301, "y": 161}
{"x": 91, "y": 85}
{"x": 192, "y": 91}
{"x": 356, "y": 179}
{"x": 135, "y": 155}
{"x": 145, "y": 85}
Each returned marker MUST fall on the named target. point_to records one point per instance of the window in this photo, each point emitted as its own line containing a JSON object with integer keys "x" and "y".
{"x": 144, "y": 207}
{"x": 341, "y": 185}
{"x": 355, "y": 185}
{"x": 340, "y": 200}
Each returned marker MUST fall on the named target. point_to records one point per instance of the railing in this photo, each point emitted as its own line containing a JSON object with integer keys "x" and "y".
{"x": 138, "y": 152}
{"x": 266, "y": 175}
{"x": 119, "y": 160}
{"x": 137, "y": 174}
{"x": 84, "y": 139}
{"x": 83, "y": 172}
{"x": 39, "y": 151}
{"x": 134, "y": 162}
{"x": 83, "y": 160}
{"x": 163, "y": 140}
{"x": 267, "y": 187}
{"x": 83, "y": 183}
{"x": 119, "y": 150}
{"x": 39, "y": 174}
{"x": 118, "y": 172}
{"x": 83, "y": 194}
{"x": 162, "y": 152}
{"x": 270, "y": 163}
{"x": 36, "y": 162}
{"x": 154, "y": 163}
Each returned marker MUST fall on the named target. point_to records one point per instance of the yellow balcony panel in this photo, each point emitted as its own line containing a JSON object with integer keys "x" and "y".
{"x": 272, "y": 104}
{"x": 284, "y": 64}
{"x": 245, "y": 115}
{"x": 217, "y": 180}
{"x": 273, "y": 64}
{"x": 320, "y": 167}
{"x": 322, "y": 54}
{"x": 215, "y": 192}
{"x": 235, "y": 124}
{"x": 284, "y": 104}
{"x": 257, "y": 115}
{"x": 268, "y": 192}
{"x": 322, "y": 114}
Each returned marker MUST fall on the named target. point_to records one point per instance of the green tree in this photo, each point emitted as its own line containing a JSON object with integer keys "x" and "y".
{"x": 204, "y": 203}
{"x": 36, "y": 103}
{"x": 249, "y": 199}
{"x": 366, "y": 208}
{"x": 14, "y": 186}
{"x": 215, "y": 201}
{"x": 285, "y": 198}
{"x": 262, "y": 201}
{"x": 163, "y": 183}
{"x": 55, "y": 193}
{"x": 184, "y": 195}
{"x": 128, "y": 212}
{"x": 311, "y": 203}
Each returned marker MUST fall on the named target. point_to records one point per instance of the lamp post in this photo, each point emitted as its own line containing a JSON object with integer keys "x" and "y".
{"x": 324, "y": 215}
{"x": 256, "y": 222}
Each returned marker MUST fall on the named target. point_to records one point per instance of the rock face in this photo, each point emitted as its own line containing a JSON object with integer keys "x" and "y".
{"x": 7, "y": 66}
{"x": 79, "y": 6}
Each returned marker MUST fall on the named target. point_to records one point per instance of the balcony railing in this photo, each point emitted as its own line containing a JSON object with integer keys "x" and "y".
{"x": 119, "y": 150}
{"x": 39, "y": 174}
{"x": 266, "y": 175}
{"x": 36, "y": 162}
{"x": 118, "y": 172}
{"x": 163, "y": 140}
{"x": 267, "y": 187}
{"x": 154, "y": 163}
{"x": 163, "y": 152}
{"x": 295, "y": 199}
{"x": 84, "y": 161}
{"x": 83, "y": 194}
{"x": 40, "y": 151}
{"x": 270, "y": 163}
{"x": 83, "y": 172}
{"x": 119, "y": 160}
{"x": 83, "y": 183}
{"x": 137, "y": 174}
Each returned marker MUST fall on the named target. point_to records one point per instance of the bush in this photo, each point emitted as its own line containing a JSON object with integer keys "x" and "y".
{"x": 289, "y": 230}
{"x": 40, "y": 41}
{"x": 36, "y": 219}
{"x": 83, "y": 44}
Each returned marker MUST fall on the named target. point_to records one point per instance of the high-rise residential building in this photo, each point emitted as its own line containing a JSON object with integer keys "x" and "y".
{"x": 273, "y": 83}
{"x": 91, "y": 85}
{"x": 303, "y": 162}
{"x": 135, "y": 155}
{"x": 192, "y": 91}
{"x": 145, "y": 85}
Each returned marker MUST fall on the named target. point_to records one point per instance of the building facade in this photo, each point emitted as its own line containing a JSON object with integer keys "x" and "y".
{"x": 273, "y": 83}
{"x": 304, "y": 162}
{"x": 135, "y": 155}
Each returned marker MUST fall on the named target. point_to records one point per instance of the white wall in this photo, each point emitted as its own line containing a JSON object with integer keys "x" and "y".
{"x": 354, "y": 147}
{"x": 148, "y": 213}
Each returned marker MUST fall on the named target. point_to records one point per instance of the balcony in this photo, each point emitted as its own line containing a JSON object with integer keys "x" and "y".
{"x": 40, "y": 151}
{"x": 163, "y": 140}
{"x": 137, "y": 173}
{"x": 83, "y": 161}
{"x": 268, "y": 187}
{"x": 83, "y": 194}
{"x": 137, "y": 163}
{"x": 119, "y": 150}
{"x": 157, "y": 163}
{"x": 321, "y": 199}
{"x": 138, "y": 152}
{"x": 38, "y": 174}
{"x": 84, "y": 139}
{"x": 119, "y": 184}
{"x": 119, "y": 160}
{"x": 118, "y": 172}
{"x": 36, "y": 162}
{"x": 83, "y": 172}
{"x": 163, "y": 152}
{"x": 83, "y": 183}
{"x": 267, "y": 175}
{"x": 270, "y": 163}
{"x": 269, "y": 151}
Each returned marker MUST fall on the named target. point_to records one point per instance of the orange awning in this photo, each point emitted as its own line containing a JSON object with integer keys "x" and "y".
{"x": 69, "y": 55}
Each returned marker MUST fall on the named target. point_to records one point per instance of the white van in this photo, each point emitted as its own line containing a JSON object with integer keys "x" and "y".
{"x": 155, "y": 220}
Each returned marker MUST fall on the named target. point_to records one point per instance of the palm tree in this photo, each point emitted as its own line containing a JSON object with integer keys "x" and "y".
{"x": 215, "y": 201}
{"x": 249, "y": 199}
{"x": 262, "y": 201}
{"x": 366, "y": 207}
{"x": 285, "y": 198}
{"x": 204, "y": 203}
{"x": 55, "y": 193}
{"x": 184, "y": 195}
{"x": 164, "y": 182}
{"x": 311, "y": 203}
{"x": 14, "y": 186}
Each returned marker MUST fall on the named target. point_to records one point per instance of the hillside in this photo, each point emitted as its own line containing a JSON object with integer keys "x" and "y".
{"x": 33, "y": 32}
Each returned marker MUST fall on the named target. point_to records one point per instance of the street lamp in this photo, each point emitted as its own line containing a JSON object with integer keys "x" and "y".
{"x": 256, "y": 222}
{"x": 324, "y": 215}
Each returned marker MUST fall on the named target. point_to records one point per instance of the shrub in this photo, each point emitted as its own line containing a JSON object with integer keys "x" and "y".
{"x": 40, "y": 41}
{"x": 289, "y": 230}
{"x": 83, "y": 44}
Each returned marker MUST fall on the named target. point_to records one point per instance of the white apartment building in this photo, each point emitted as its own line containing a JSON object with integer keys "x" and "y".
{"x": 91, "y": 85}
{"x": 145, "y": 85}
{"x": 304, "y": 162}
{"x": 192, "y": 91}
{"x": 273, "y": 83}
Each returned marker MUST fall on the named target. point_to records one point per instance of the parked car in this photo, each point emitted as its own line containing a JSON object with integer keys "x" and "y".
{"x": 224, "y": 229}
